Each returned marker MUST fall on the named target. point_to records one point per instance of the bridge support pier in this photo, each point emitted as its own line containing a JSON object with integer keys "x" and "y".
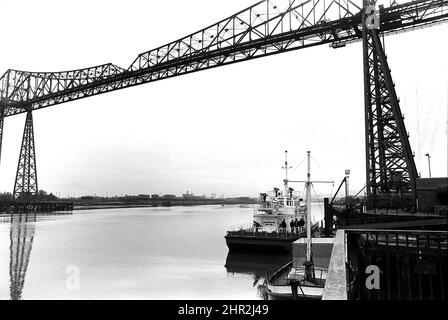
{"x": 390, "y": 169}
{"x": 25, "y": 186}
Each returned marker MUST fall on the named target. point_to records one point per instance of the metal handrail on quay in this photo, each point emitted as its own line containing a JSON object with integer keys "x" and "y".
{"x": 411, "y": 264}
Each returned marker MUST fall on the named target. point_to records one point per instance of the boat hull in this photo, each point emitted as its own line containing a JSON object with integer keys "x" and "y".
{"x": 288, "y": 296}
{"x": 254, "y": 243}
{"x": 250, "y": 240}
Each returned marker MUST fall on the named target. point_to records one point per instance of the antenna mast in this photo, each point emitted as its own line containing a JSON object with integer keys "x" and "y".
{"x": 308, "y": 210}
{"x": 309, "y": 269}
{"x": 286, "y": 177}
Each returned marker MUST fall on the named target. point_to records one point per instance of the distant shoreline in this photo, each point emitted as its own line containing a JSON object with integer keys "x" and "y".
{"x": 175, "y": 204}
{"x": 124, "y": 206}
{"x": 102, "y": 206}
{"x": 87, "y": 207}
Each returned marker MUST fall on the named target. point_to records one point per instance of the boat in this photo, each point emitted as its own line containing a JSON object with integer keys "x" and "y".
{"x": 290, "y": 283}
{"x": 302, "y": 279}
{"x": 278, "y": 220}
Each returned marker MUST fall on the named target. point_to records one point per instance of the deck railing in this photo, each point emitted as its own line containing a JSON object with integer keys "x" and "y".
{"x": 412, "y": 264}
{"x": 298, "y": 273}
{"x": 250, "y": 230}
{"x": 383, "y": 215}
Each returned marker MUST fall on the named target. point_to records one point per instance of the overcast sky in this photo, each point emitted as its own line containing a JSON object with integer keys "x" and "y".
{"x": 219, "y": 131}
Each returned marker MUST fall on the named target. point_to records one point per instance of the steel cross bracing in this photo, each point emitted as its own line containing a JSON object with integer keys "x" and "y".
{"x": 266, "y": 28}
{"x": 390, "y": 168}
{"x": 25, "y": 187}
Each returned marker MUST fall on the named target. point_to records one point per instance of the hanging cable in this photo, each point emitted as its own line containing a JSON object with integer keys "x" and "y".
{"x": 331, "y": 191}
{"x": 320, "y": 167}
{"x": 315, "y": 194}
{"x": 304, "y": 188}
{"x": 299, "y": 165}
{"x": 360, "y": 191}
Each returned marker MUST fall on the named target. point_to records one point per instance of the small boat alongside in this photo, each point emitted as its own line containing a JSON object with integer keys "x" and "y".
{"x": 290, "y": 283}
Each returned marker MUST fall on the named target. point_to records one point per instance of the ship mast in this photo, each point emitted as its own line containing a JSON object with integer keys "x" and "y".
{"x": 309, "y": 270}
{"x": 308, "y": 211}
{"x": 286, "y": 178}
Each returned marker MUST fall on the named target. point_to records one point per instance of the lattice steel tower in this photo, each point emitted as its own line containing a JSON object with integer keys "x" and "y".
{"x": 390, "y": 168}
{"x": 25, "y": 186}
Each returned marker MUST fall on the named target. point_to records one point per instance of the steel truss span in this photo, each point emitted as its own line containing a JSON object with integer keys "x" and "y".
{"x": 266, "y": 28}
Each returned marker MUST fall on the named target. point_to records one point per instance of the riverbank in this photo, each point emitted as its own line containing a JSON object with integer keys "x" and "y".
{"x": 97, "y": 203}
{"x": 101, "y": 206}
{"x": 124, "y": 206}
{"x": 178, "y": 202}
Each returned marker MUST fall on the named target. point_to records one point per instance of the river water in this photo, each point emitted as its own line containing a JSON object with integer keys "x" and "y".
{"x": 138, "y": 253}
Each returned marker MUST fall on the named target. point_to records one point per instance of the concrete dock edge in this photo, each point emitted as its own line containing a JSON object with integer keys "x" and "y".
{"x": 336, "y": 283}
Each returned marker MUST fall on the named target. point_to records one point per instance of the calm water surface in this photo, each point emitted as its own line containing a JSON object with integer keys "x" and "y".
{"x": 139, "y": 253}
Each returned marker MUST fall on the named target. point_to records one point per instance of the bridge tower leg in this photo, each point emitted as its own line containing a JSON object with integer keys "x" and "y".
{"x": 25, "y": 186}
{"x": 390, "y": 168}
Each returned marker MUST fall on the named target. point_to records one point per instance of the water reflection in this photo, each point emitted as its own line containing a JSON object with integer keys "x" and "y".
{"x": 21, "y": 242}
{"x": 132, "y": 253}
{"x": 256, "y": 264}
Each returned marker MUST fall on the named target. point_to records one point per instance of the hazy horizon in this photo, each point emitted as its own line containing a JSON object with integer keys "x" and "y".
{"x": 220, "y": 131}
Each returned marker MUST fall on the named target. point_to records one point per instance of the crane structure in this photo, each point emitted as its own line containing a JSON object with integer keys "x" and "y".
{"x": 266, "y": 28}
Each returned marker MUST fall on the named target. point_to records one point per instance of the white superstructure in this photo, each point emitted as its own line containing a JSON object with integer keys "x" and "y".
{"x": 279, "y": 207}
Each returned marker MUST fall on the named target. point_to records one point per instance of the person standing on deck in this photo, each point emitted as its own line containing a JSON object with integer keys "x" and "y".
{"x": 283, "y": 226}
{"x": 296, "y": 225}
{"x": 301, "y": 223}
{"x": 292, "y": 225}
